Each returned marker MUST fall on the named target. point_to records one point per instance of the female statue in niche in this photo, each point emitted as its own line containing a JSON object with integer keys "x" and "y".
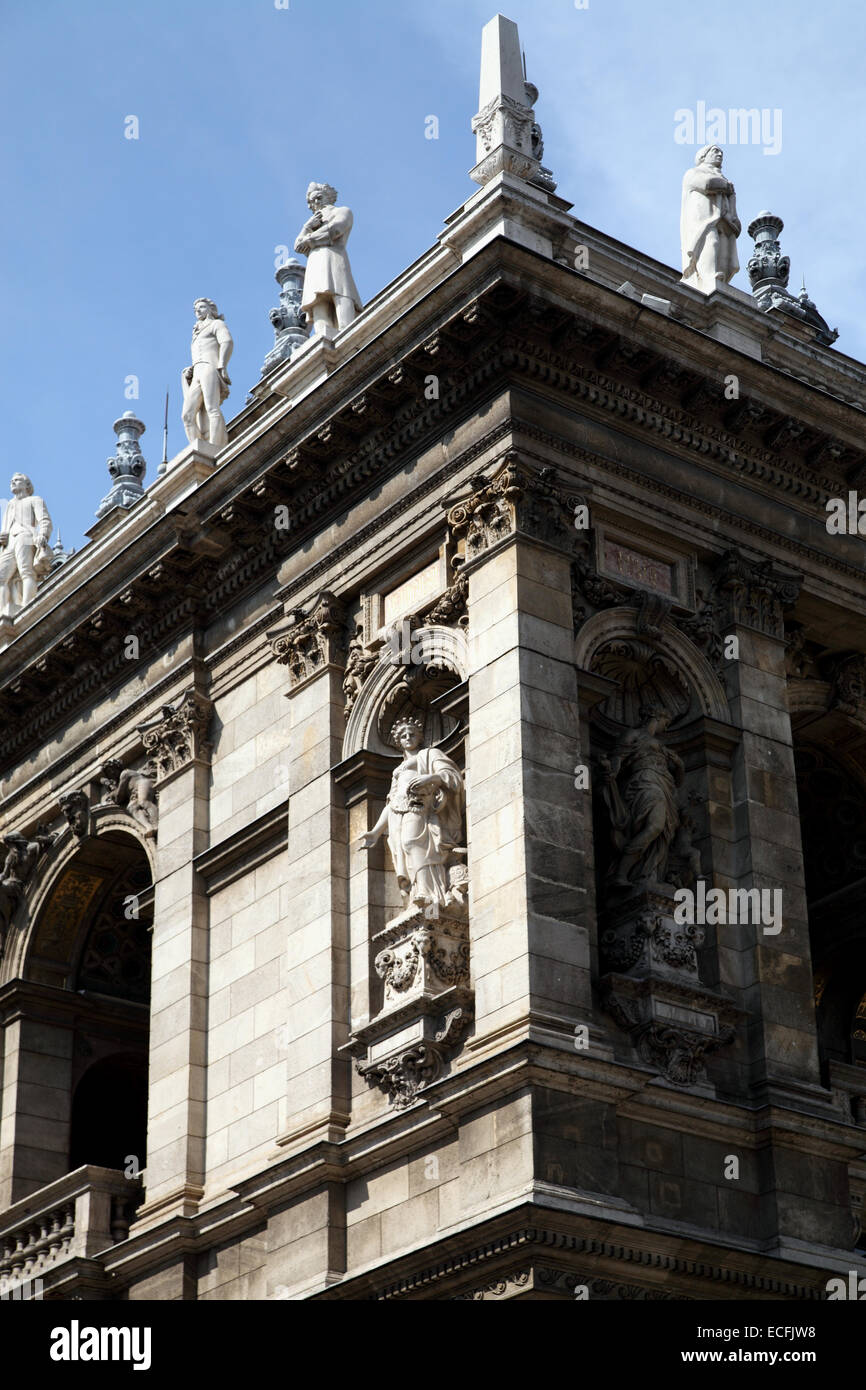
{"x": 423, "y": 817}
{"x": 641, "y": 778}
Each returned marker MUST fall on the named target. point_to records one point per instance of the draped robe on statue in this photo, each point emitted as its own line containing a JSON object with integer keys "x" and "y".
{"x": 328, "y": 270}
{"x": 708, "y": 219}
{"x": 424, "y": 828}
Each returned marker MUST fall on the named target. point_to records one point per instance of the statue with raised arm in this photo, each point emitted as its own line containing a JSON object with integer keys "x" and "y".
{"x": 24, "y": 554}
{"x": 423, "y": 817}
{"x": 641, "y": 777}
{"x": 330, "y": 299}
{"x": 206, "y": 382}
{"x": 709, "y": 225}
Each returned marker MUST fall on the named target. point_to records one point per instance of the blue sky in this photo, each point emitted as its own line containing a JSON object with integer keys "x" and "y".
{"x": 106, "y": 241}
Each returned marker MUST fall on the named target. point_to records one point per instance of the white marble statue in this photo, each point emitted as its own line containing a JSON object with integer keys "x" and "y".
{"x": 709, "y": 225}
{"x": 206, "y": 383}
{"x": 330, "y": 298}
{"x": 423, "y": 817}
{"x": 24, "y": 554}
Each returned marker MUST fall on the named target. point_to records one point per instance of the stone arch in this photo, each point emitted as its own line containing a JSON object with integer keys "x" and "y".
{"x": 109, "y": 825}
{"x": 619, "y": 626}
{"x": 78, "y": 989}
{"x": 435, "y": 650}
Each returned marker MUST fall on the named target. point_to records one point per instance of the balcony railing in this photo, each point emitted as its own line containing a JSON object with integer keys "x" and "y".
{"x": 76, "y": 1217}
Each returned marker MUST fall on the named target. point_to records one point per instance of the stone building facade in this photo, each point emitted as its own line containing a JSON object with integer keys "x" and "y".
{"x": 554, "y": 506}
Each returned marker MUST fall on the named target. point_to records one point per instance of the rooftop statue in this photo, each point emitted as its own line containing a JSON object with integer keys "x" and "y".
{"x": 206, "y": 383}
{"x": 330, "y": 299}
{"x": 709, "y": 225}
{"x": 24, "y": 554}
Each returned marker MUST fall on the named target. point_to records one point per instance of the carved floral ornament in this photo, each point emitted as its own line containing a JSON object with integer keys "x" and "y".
{"x": 178, "y": 734}
{"x": 518, "y": 497}
{"x": 308, "y": 642}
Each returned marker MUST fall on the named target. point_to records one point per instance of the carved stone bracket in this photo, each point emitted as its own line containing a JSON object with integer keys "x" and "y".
{"x": 518, "y": 498}
{"x": 309, "y": 642}
{"x": 360, "y": 661}
{"x": 428, "y": 958}
{"x": 848, "y": 683}
{"x": 75, "y": 806}
{"x": 451, "y": 610}
{"x": 179, "y": 734}
{"x": 423, "y": 962}
{"x": 403, "y": 1074}
{"x": 673, "y": 1027}
{"x": 590, "y": 587}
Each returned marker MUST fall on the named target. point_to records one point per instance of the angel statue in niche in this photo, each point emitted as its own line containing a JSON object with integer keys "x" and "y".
{"x": 423, "y": 818}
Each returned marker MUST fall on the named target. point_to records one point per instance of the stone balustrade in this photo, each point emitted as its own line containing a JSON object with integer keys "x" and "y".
{"x": 76, "y": 1217}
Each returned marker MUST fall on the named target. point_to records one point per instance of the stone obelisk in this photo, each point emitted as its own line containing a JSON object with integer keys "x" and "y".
{"x": 507, "y": 135}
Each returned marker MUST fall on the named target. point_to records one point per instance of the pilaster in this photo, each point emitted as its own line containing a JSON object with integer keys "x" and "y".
{"x": 177, "y": 742}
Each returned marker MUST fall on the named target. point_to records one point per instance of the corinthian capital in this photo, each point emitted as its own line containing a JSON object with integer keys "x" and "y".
{"x": 755, "y": 594}
{"x": 179, "y": 734}
{"x": 309, "y": 642}
{"x": 518, "y": 497}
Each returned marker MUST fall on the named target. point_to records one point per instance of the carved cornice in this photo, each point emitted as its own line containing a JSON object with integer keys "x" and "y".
{"x": 764, "y": 536}
{"x": 42, "y": 694}
{"x": 707, "y": 438}
{"x": 308, "y": 643}
{"x": 179, "y": 735}
{"x": 554, "y": 1282}
{"x": 708, "y": 1270}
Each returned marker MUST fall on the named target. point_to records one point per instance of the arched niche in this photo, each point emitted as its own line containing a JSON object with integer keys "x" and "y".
{"x": 649, "y": 664}
{"x": 612, "y": 643}
{"x": 438, "y": 660}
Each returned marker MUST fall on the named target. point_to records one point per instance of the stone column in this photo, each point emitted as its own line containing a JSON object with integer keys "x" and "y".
{"x": 37, "y": 1091}
{"x": 178, "y": 745}
{"x": 315, "y": 974}
{"x": 529, "y": 939}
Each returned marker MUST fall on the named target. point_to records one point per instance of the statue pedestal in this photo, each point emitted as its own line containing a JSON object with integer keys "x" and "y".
{"x": 653, "y": 987}
{"x": 640, "y": 937}
{"x": 183, "y": 474}
{"x": 423, "y": 961}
